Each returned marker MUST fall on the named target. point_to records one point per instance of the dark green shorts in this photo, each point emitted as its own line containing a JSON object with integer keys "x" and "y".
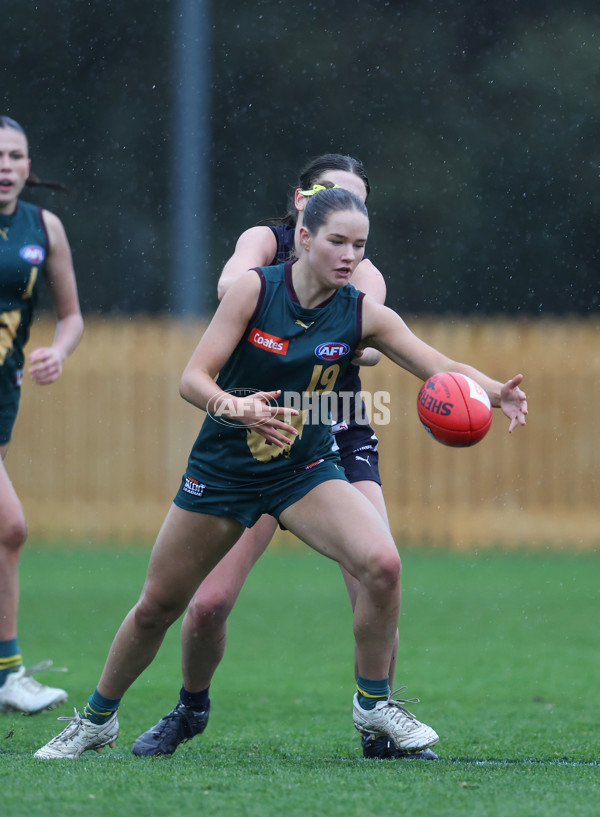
{"x": 246, "y": 502}
{"x": 10, "y": 394}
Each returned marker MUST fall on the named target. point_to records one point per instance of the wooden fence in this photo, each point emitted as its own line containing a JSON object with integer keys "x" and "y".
{"x": 99, "y": 454}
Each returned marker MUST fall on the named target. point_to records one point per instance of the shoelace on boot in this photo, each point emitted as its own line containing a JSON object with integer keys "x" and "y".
{"x": 44, "y": 666}
{"x": 398, "y": 703}
{"x": 68, "y": 730}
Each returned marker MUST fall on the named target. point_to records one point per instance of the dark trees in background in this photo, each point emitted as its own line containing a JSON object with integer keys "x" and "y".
{"x": 477, "y": 124}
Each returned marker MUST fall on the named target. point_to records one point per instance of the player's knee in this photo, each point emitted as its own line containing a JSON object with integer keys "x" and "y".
{"x": 207, "y": 612}
{"x": 385, "y": 569}
{"x": 152, "y": 613}
{"x": 13, "y": 532}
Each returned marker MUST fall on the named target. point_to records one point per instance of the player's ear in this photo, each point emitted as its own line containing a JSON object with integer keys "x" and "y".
{"x": 304, "y": 237}
{"x": 299, "y": 200}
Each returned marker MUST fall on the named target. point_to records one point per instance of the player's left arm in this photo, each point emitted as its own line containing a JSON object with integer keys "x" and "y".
{"x": 46, "y": 362}
{"x": 385, "y": 329}
{"x": 369, "y": 280}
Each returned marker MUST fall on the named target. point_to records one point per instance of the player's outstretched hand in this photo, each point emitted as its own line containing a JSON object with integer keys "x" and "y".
{"x": 513, "y": 402}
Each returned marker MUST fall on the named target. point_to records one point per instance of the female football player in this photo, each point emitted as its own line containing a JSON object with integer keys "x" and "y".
{"x": 33, "y": 245}
{"x": 279, "y": 332}
{"x": 204, "y": 628}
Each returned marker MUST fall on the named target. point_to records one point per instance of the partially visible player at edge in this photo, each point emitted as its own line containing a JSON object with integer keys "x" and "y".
{"x": 204, "y": 627}
{"x": 236, "y": 470}
{"x": 32, "y": 241}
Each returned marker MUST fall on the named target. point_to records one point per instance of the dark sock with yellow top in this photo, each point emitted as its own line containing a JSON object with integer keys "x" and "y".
{"x": 99, "y": 709}
{"x": 370, "y": 691}
{"x": 10, "y": 658}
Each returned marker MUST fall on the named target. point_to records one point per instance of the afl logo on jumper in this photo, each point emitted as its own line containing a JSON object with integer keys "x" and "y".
{"x": 32, "y": 254}
{"x": 271, "y": 343}
{"x": 332, "y": 351}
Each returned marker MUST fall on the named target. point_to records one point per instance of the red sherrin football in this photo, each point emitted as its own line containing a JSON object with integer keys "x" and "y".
{"x": 454, "y": 409}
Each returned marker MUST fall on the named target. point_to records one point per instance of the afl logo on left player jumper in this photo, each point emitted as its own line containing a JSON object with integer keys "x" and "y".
{"x": 332, "y": 350}
{"x": 32, "y": 254}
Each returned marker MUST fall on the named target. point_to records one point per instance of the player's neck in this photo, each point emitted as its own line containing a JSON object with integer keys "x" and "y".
{"x": 8, "y": 208}
{"x": 310, "y": 291}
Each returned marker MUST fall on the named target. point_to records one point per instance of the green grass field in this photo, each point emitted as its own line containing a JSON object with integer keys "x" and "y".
{"x": 501, "y": 648}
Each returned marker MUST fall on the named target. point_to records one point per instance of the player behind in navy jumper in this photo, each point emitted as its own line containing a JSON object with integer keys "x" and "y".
{"x": 33, "y": 245}
{"x": 255, "y": 454}
{"x": 204, "y": 627}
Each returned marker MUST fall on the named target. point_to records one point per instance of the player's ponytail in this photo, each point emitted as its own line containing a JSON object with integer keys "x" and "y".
{"x": 34, "y": 181}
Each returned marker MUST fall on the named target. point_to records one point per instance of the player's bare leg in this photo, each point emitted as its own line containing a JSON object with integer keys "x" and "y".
{"x": 340, "y": 523}
{"x": 19, "y": 691}
{"x": 203, "y": 639}
{"x": 344, "y": 526}
{"x": 372, "y": 490}
{"x": 13, "y": 532}
{"x": 188, "y": 546}
{"x": 204, "y": 627}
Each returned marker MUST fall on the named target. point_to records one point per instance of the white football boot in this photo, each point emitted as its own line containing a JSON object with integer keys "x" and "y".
{"x": 79, "y": 736}
{"x": 22, "y": 693}
{"x": 391, "y": 718}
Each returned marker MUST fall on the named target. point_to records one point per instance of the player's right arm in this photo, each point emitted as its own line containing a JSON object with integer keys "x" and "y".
{"x": 255, "y": 247}
{"x": 216, "y": 346}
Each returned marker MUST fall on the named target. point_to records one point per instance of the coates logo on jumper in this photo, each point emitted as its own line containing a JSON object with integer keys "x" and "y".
{"x": 32, "y": 254}
{"x": 269, "y": 342}
{"x": 332, "y": 350}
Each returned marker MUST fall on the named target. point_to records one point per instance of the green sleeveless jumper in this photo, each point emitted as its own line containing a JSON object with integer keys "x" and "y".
{"x": 303, "y": 352}
{"x": 23, "y": 249}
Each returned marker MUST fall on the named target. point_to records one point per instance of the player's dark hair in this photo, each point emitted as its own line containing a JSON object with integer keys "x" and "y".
{"x": 314, "y": 171}
{"x": 33, "y": 180}
{"x": 311, "y": 173}
{"x": 7, "y": 122}
{"x": 322, "y": 204}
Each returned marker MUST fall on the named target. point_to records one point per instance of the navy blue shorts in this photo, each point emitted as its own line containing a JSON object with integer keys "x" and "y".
{"x": 358, "y": 451}
{"x": 246, "y": 502}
